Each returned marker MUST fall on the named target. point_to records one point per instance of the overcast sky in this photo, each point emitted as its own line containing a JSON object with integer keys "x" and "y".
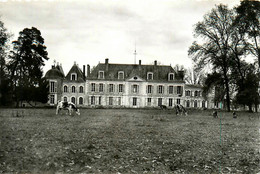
{"x": 88, "y": 31}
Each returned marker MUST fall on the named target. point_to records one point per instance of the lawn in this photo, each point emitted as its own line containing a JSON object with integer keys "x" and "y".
{"x": 128, "y": 141}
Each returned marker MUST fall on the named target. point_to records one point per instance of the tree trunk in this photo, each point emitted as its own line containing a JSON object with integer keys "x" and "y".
{"x": 250, "y": 108}
{"x": 227, "y": 92}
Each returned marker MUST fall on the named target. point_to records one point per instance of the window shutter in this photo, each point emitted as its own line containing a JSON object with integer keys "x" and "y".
{"x": 175, "y": 89}
{"x": 162, "y": 89}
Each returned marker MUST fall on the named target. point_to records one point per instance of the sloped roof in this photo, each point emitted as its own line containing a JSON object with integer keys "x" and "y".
{"x": 77, "y": 70}
{"x": 160, "y": 72}
{"x": 193, "y": 86}
{"x": 54, "y": 73}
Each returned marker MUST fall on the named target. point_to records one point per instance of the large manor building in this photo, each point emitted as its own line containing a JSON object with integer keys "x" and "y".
{"x": 123, "y": 85}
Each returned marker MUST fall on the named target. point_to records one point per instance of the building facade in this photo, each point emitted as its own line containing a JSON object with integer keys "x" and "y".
{"x": 123, "y": 85}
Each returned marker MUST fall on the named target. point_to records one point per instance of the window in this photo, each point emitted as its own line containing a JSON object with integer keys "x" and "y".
{"x": 170, "y": 89}
{"x": 81, "y": 89}
{"x": 149, "y": 89}
{"x": 73, "y": 89}
{"x": 134, "y": 101}
{"x": 119, "y": 101}
{"x": 52, "y": 88}
{"x": 120, "y": 88}
{"x": 160, "y": 89}
{"x": 99, "y": 100}
{"x": 196, "y": 94}
{"x": 171, "y": 76}
{"x": 65, "y": 89}
{"x": 101, "y": 75}
{"x": 178, "y": 101}
{"x": 203, "y": 104}
{"x": 73, "y": 76}
{"x": 110, "y": 101}
{"x": 187, "y": 103}
{"x": 51, "y": 99}
{"x": 170, "y": 102}
{"x": 93, "y": 87}
{"x": 111, "y": 88}
{"x": 101, "y": 87}
{"x": 159, "y": 101}
{"x": 195, "y": 104}
{"x": 81, "y": 101}
{"x": 149, "y": 101}
{"x": 135, "y": 88}
{"x": 65, "y": 99}
{"x": 73, "y": 100}
{"x": 149, "y": 76}
{"x": 121, "y": 75}
{"x": 92, "y": 100}
{"x": 178, "y": 89}
{"x": 187, "y": 93}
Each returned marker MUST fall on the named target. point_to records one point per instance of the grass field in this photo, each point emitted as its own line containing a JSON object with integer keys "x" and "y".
{"x": 127, "y": 141}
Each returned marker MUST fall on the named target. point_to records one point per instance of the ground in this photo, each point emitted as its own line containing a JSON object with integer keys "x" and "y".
{"x": 128, "y": 141}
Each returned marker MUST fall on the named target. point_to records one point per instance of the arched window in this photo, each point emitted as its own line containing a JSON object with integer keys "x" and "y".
{"x": 65, "y": 89}
{"x": 73, "y": 100}
{"x": 73, "y": 89}
{"x": 188, "y": 104}
{"x": 65, "y": 99}
{"x": 195, "y": 104}
{"x": 81, "y": 101}
{"x": 81, "y": 89}
{"x": 203, "y": 104}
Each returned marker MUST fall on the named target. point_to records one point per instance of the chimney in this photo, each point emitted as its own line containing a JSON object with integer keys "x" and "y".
{"x": 140, "y": 65}
{"x": 88, "y": 70}
{"x": 106, "y": 63}
{"x": 155, "y": 63}
{"x": 84, "y": 72}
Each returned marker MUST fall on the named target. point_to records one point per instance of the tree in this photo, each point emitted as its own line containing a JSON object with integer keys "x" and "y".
{"x": 194, "y": 76}
{"x": 25, "y": 64}
{"x": 248, "y": 19}
{"x": 247, "y": 93}
{"x": 4, "y": 80}
{"x": 216, "y": 32}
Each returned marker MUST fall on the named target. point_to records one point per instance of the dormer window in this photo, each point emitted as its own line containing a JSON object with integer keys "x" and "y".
{"x": 121, "y": 75}
{"x": 171, "y": 76}
{"x": 149, "y": 76}
{"x": 73, "y": 76}
{"x": 101, "y": 75}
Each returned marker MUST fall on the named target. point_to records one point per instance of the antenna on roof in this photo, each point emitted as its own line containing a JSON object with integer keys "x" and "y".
{"x": 135, "y": 53}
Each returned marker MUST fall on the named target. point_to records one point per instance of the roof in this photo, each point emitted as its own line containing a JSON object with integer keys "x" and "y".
{"x": 54, "y": 73}
{"x": 160, "y": 72}
{"x": 77, "y": 70}
{"x": 193, "y": 86}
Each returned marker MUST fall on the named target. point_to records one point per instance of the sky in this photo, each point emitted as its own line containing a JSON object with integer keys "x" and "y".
{"x": 89, "y": 31}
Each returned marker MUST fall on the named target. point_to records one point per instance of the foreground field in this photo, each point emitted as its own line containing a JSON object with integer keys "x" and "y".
{"x": 127, "y": 141}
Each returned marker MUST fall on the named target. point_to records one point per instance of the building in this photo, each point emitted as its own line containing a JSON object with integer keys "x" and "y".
{"x": 123, "y": 85}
